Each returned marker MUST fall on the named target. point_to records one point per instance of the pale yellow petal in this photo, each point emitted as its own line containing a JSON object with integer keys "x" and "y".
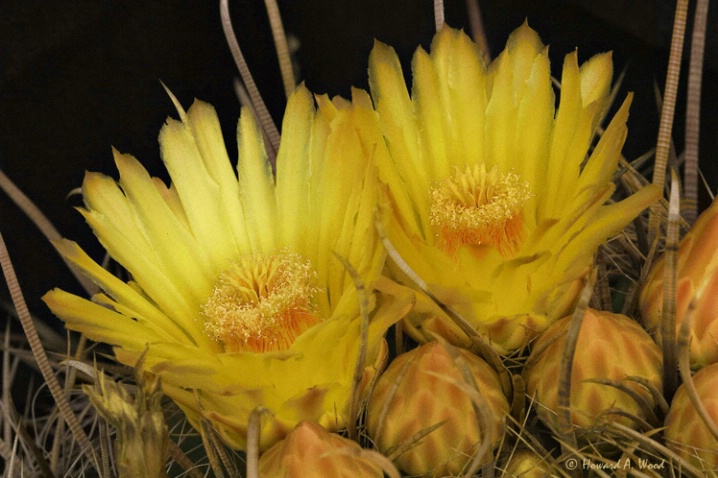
{"x": 256, "y": 185}
{"x": 202, "y": 120}
{"x": 97, "y": 322}
{"x": 199, "y": 194}
{"x": 293, "y": 166}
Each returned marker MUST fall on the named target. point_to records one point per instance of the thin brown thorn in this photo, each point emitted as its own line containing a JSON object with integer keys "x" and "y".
{"x": 663, "y": 144}
{"x": 439, "y": 18}
{"x": 281, "y": 45}
{"x": 265, "y": 119}
{"x": 478, "y": 32}
{"x": 693, "y": 111}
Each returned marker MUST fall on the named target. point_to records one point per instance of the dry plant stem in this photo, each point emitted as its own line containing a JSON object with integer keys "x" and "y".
{"x": 280, "y": 44}
{"x": 439, "y": 14}
{"x": 693, "y": 111}
{"x": 668, "y": 318}
{"x": 478, "y": 32}
{"x": 363, "y": 344}
{"x": 265, "y": 120}
{"x": 684, "y": 347}
{"x": 38, "y": 352}
{"x": 565, "y": 427}
{"x": 663, "y": 145}
{"x": 43, "y": 223}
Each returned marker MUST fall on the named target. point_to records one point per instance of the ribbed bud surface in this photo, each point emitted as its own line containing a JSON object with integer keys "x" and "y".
{"x": 309, "y": 451}
{"x": 697, "y": 269}
{"x": 610, "y": 346}
{"x": 686, "y": 433}
{"x": 429, "y": 393}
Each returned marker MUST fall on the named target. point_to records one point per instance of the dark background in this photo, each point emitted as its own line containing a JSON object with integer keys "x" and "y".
{"x": 77, "y": 77}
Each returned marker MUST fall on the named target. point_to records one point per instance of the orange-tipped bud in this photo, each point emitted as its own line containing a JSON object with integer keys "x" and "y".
{"x": 610, "y": 347}
{"x": 686, "y": 433}
{"x": 423, "y": 388}
{"x": 310, "y": 451}
{"x": 697, "y": 271}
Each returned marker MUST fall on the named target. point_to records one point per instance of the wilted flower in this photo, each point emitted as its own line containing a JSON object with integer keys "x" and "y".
{"x": 697, "y": 270}
{"x": 686, "y": 432}
{"x": 610, "y": 347}
{"x": 499, "y": 203}
{"x": 310, "y": 451}
{"x": 424, "y": 389}
{"x": 236, "y": 293}
{"x": 142, "y": 439}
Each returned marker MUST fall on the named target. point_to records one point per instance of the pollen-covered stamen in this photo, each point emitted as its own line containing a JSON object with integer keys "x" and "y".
{"x": 479, "y": 207}
{"x": 262, "y": 303}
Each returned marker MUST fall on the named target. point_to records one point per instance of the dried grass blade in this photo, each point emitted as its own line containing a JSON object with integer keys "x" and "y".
{"x": 281, "y": 45}
{"x": 693, "y": 111}
{"x": 663, "y": 144}
{"x": 38, "y": 352}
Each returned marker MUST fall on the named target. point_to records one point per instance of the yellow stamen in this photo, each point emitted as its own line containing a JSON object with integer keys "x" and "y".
{"x": 261, "y": 303}
{"x": 479, "y": 207}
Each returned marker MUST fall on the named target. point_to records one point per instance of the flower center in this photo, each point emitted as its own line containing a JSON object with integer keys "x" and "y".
{"x": 261, "y": 303}
{"x": 479, "y": 207}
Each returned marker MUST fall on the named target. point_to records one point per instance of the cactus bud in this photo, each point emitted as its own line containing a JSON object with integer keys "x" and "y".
{"x": 310, "y": 451}
{"x": 686, "y": 433}
{"x": 697, "y": 270}
{"x": 423, "y": 388}
{"x": 610, "y": 347}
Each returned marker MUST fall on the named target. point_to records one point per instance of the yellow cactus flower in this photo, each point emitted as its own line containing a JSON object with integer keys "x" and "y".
{"x": 310, "y": 451}
{"x": 610, "y": 347}
{"x": 237, "y": 297}
{"x": 499, "y": 202}
{"x": 697, "y": 271}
